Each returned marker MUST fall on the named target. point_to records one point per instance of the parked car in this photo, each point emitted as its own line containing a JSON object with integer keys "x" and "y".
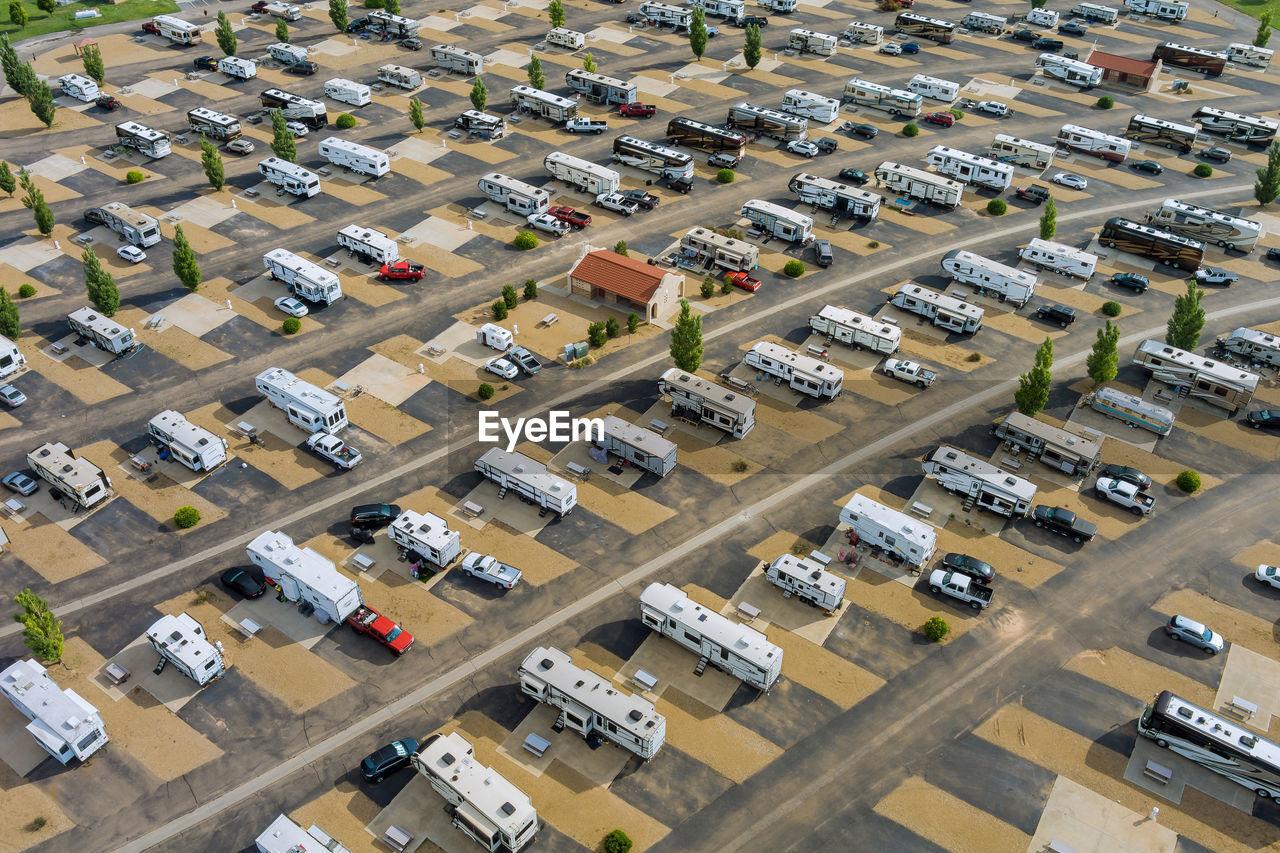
{"x": 248, "y": 580}
{"x": 1134, "y": 281}
{"x": 368, "y": 519}
{"x": 501, "y": 367}
{"x": 547, "y": 223}
{"x": 1071, "y": 180}
{"x": 240, "y": 146}
{"x": 12, "y": 397}
{"x": 822, "y": 251}
{"x": 747, "y": 20}
{"x": 582, "y": 124}
{"x": 1264, "y": 419}
{"x": 367, "y": 620}
{"x": 856, "y": 177}
{"x": 866, "y": 131}
{"x": 1151, "y": 167}
{"x": 744, "y": 280}
{"x": 1073, "y": 28}
{"x": 724, "y": 161}
{"x": 1125, "y": 473}
{"x": 909, "y": 47}
{"x": 20, "y": 483}
{"x": 1064, "y": 522}
{"x": 132, "y": 254}
{"x": 412, "y": 43}
{"x": 1026, "y": 35}
{"x": 890, "y": 49}
{"x": 1215, "y": 275}
{"x": 1054, "y": 313}
{"x": 393, "y": 757}
{"x": 297, "y": 128}
{"x": 1033, "y": 193}
{"x": 971, "y": 566}
{"x": 995, "y": 108}
{"x": 1190, "y": 631}
{"x": 358, "y": 25}
{"x": 1273, "y": 255}
{"x": 942, "y": 119}
{"x": 1048, "y": 45}
{"x": 205, "y": 63}
{"x": 1222, "y": 155}
{"x": 335, "y": 450}
{"x": 803, "y": 147}
{"x": 108, "y": 103}
{"x": 646, "y": 201}
{"x": 616, "y": 202}
{"x": 826, "y": 145}
{"x": 291, "y": 306}
{"x": 1268, "y": 575}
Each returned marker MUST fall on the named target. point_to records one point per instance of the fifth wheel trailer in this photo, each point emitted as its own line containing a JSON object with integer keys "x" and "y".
{"x": 841, "y": 199}
{"x": 702, "y": 402}
{"x": 305, "y": 575}
{"x": 1056, "y": 447}
{"x": 642, "y": 447}
{"x": 516, "y": 196}
{"x": 855, "y": 329}
{"x": 910, "y": 539}
{"x": 1194, "y": 375}
{"x": 588, "y": 177}
{"x": 529, "y": 479}
{"x": 599, "y": 88}
{"x": 990, "y": 488}
{"x": 989, "y": 276}
{"x": 71, "y": 476}
{"x": 457, "y": 59}
{"x": 531, "y": 101}
{"x": 193, "y": 446}
{"x": 305, "y": 406}
{"x": 215, "y": 125}
{"x": 303, "y": 278}
{"x": 807, "y": 41}
{"x": 970, "y": 168}
{"x": 1253, "y": 344}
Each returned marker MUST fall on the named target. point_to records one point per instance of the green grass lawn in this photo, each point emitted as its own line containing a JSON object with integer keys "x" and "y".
{"x": 1256, "y": 8}
{"x": 63, "y": 18}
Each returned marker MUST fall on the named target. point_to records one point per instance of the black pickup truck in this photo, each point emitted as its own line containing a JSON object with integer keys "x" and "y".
{"x": 1064, "y": 522}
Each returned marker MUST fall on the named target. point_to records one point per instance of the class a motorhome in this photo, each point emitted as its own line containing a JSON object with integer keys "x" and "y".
{"x": 811, "y": 105}
{"x": 857, "y": 330}
{"x": 137, "y": 228}
{"x": 808, "y": 41}
{"x": 933, "y": 87}
{"x": 486, "y": 807}
{"x": 535, "y": 102}
{"x": 175, "y": 30}
{"x": 808, "y": 580}
{"x": 348, "y": 91}
{"x": 860, "y": 33}
{"x": 1215, "y": 382}
{"x": 306, "y": 406}
{"x": 303, "y": 278}
{"x": 290, "y": 177}
{"x": 1163, "y": 10}
{"x": 1134, "y": 411}
{"x": 193, "y": 446}
{"x": 1060, "y": 258}
{"x": 588, "y": 177}
{"x": 988, "y": 487}
{"x": 1068, "y": 70}
{"x": 1094, "y": 143}
{"x": 729, "y": 646}
{"x": 664, "y": 13}
{"x": 566, "y": 38}
{"x": 483, "y": 125}
{"x": 400, "y": 76}
{"x": 529, "y": 479}
{"x": 970, "y": 168}
{"x": 915, "y": 24}
{"x": 705, "y": 137}
{"x": 1056, "y": 447}
{"x": 240, "y": 69}
{"x": 181, "y": 641}
{"x": 907, "y": 538}
{"x": 805, "y": 374}
{"x": 382, "y": 21}
{"x": 701, "y": 402}
{"x": 600, "y": 89}
{"x": 988, "y": 276}
{"x": 313, "y": 114}
{"x": 103, "y": 332}
{"x": 1205, "y": 223}
{"x": 843, "y": 200}
{"x": 982, "y": 22}
{"x": 62, "y": 722}
{"x": 1210, "y": 63}
{"x": 1247, "y": 54}
{"x": 1096, "y": 13}
{"x": 151, "y": 142}
{"x": 590, "y": 704}
{"x": 71, "y": 476}
{"x": 369, "y": 245}
{"x": 426, "y": 535}
{"x": 79, "y": 87}
{"x": 778, "y": 221}
{"x": 457, "y": 59}
{"x": 214, "y": 125}
{"x": 651, "y": 157}
{"x": 11, "y": 358}
{"x": 305, "y": 575}
{"x": 705, "y": 245}
{"x": 1021, "y": 152}
{"x": 642, "y": 447}
{"x": 949, "y": 313}
{"x": 778, "y": 5}
{"x": 897, "y": 102}
{"x": 918, "y": 184}
{"x": 1251, "y": 343}
{"x": 361, "y": 159}
{"x": 517, "y": 196}
{"x": 767, "y": 122}
{"x": 1158, "y": 131}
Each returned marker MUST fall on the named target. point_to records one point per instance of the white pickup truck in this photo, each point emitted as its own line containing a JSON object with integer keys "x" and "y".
{"x": 487, "y": 568}
{"x": 1125, "y": 494}
{"x": 548, "y": 223}
{"x": 963, "y": 587}
{"x": 616, "y": 202}
{"x": 909, "y": 371}
{"x": 586, "y": 125}
{"x": 335, "y": 450}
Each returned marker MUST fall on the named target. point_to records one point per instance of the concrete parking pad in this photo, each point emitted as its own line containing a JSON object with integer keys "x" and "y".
{"x": 279, "y": 458}
{"x": 48, "y": 549}
{"x": 441, "y": 233}
{"x": 385, "y": 379}
{"x": 1088, "y": 821}
{"x": 205, "y": 211}
{"x": 55, "y": 167}
{"x": 1186, "y": 774}
{"x": 786, "y": 614}
{"x": 285, "y": 617}
{"x": 947, "y": 820}
{"x": 27, "y": 253}
{"x": 18, "y": 748}
{"x": 157, "y": 495}
{"x": 510, "y": 510}
{"x": 1251, "y": 677}
{"x": 600, "y": 765}
{"x": 195, "y": 314}
{"x": 673, "y": 664}
{"x": 170, "y": 688}
{"x": 422, "y": 813}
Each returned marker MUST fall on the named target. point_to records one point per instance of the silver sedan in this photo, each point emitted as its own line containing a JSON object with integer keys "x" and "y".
{"x": 1068, "y": 179}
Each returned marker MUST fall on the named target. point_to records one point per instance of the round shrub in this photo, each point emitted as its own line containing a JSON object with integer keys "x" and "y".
{"x": 1203, "y": 170}
{"x": 526, "y": 240}
{"x": 725, "y": 176}
{"x": 911, "y": 129}
{"x": 186, "y": 516}
{"x": 1188, "y": 481}
{"x": 291, "y": 325}
{"x": 485, "y": 391}
{"x": 346, "y": 121}
{"x": 27, "y": 291}
{"x": 1111, "y": 308}
{"x": 1106, "y": 102}
{"x": 959, "y": 114}
{"x": 997, "y": 207}
{"x": 617, "y": 842}
{"x": 935, "y": 628}
{"x": 133, "y": 176}
{"x": 793, "y": 268}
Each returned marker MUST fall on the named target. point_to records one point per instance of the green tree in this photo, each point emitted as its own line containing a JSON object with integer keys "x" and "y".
{"x": 686, "y": 339}
{"x": 589, "y": 63}
{"x": 339, "y": 14}
{"x": 225, "y": 35}
{"x": 555, "y": 12}
{"x": 1103, "y": 362}
{"x": 1106, "y": 102}
{"x": 11, "y": 64}
{"x": 620, "y": 248}
{"x": 8, "y": 182}
{"x": 345, "y": 121}
{"x": 597, "y": 335}
{"x": 525, "y": 241}
{"x": 611, "y": 327}
{"x": 184, "y": 261}
{"x": 509, "y": 296}
{"x": 212, "y": 162}
{"x": 1187, "y": 321}
{"x": 479, "y": 94}
{"x": 935, "y": 628}
{"x": 41, "y": 630}
{"x": 415, "y": 114}
{"x": 485, "y": 391}
{"x": 910, "y": 129}
{"x": 282, "y": 30}
{"x": 291, "y": 325}
{"x": 698, "y": 33}
{"x": 997, "y": 207}
{"x": 1264, "y": 30}
{"x": 18, "y": 14}
{"x": 93, "y": 64}
{"x": 1049, "y": 220}
{"x": 1187, "y": 481}
{"x": 10, "y": 326}
{"x": 1202, "y": 170}
{"x": 633, "y": 323}
{"x": 499, "y": 309}
{"x": 40, "y": 99}
{"x": 101, "y": 287}
{"x": 392, "y": 6}
{"x": 1267, "y": 187}
{"x": 617, "y": 842}
{"x": 530, "y": 289}
{"x": 793, "y": 268}
{"x": 753, "y": 48}
{"x": 41, "y": 213}
{"x": 708, "y": 287}
{"x": 282, "y": 138}
{"x": 46, "y": 6}
{"x": 1111, "y": 308}
{"x": 1033, "y": 387}
{"x": 725, "y": 176}
{"x": 537, "y": 79}
{"x": 28, "y": 187}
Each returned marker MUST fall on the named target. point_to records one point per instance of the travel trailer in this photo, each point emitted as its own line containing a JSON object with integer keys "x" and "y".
{"x": 988, "y": 276}
{"x": 1237, "y": 127}
{"x": 457, "y": 59}
{"x": 72, "y": 477}
{"x": 706, "y": 247}
{"x": 857, "y": 330}
{"x": 530, "y": 101}
{"x": 860, "y": 33}
{"x": 1163, "y": 10}
{"x": 400, "y": 76}
{"x": 805, "y": 374}
{"x": 426, "y": 535}
{"x": 842, "y": 200}
{"x": 1134, "y": 411}
{"x": 181, "y": 642}
{"x": 1095, "y": 13}
{"x": 137, "y": 228}
{"x": 585, "y": 176}
{"x": 290, "y": 177}
{"x": 516, "y": 196}
{"x": 897, "y": 102}
{"x": 103, "y": 332}
{"x": 361, "y": 159}
{"x": 664, "y": 13}
{"x": 908, "y": 539}
{"x": 1062, "y": 259}
{"x": 314, "y": 114}
{"x": 642, "y": 447}
{"x": 191, "y": 445}
{"x": 79, "y": 87}
{"x": 483, "y": 125}
{"x": 778, "y": 221}
{"x": 651, "y": 157}
{"x": 486, "y": 807}
{"x": 970, "y": 168}
{"x": 808, "y": 580}
{"x": 305, "y": 406}
{"x": 701, "y": 402}
{"x": 1021, "y": 152}
{"x": 348, "y": 91}
{"x": 240, "y": 69}
{"x": 305, "y": 575}
{"x": 1094, "y": 143}
{"x": 1068, "y": 70}
{"x": 808, "y": 41}
{"x": 62, "y": 722}
{"x": 11, "y": 358}
{"x": 529, "y": 479}
{"x": 600, "y": 89}
{"x": 214, "y": 125}
{"x": 1194, "y": 375}
{"x": 983, "y": 22}
{"x": 933, "y": 87}
{"x": 303, "y": 278}
{"x": 952, "y": 314}
{"x": 983, "y": 484}
{"x": 370, "y": 246}
{"x": 820, "y": 108}
{"x": 1056, "y": 447}
{"x": 1208, "y": 225}
{"x": 382, "y": 21}
{"x": 915, "y": 183}
{"x": 1252, "y": 344}
{"x": 139, "y": 137}
{"x": 566, "y": 38}
{"x": 767, "y": 122}
{"x": 1247, "y": 54}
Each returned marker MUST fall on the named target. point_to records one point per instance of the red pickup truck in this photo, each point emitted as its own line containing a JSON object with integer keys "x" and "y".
{"x": 151, "y": 27}
{"x": 746, "y": 282}
{"x": 638, "y": 110}
{"x": 577, "y": 221}
{"x": 401, "y": 271}
{"x": 366, "y": 620}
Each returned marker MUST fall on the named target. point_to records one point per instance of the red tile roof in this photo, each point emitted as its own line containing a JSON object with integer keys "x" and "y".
{"x": 1122, "y": 64}
{"x": 625, "y": 277}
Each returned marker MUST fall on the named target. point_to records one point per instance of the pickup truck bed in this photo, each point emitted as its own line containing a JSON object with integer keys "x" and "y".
{"x": 487, "y": 568}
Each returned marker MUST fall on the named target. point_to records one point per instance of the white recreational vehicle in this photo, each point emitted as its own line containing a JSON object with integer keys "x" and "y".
{"x": 1134, "y": 411}
{"x": 1194, "y": 375}
{"x": 314, "y": 114}
{"x": 1095, "y": 12}
{"x": 290, "y": 177}
{"x": 517, "y": 196}
{"x": 79, "y": 87}
{"x": 400, "y": 76}
{"x": 495, "y": 337}
{"x": 361, "y": 159}
{"x": 1064, "y": 260}
{"x": 285, "y": 836}
{"x": 1247, "y": 54}
{"x": 289, "y": 54}
{"x": 729, "y": 646}
{"x": 855, "y": 329}
{"x": 529, "y": 479}
{"x": 306, "y": 406}
{"x": 1207, "y": 224}
{"x": 907, "y": 538}
{"x": 590, "y": 705}
{"x": 370, "y": 246}
{"x": 859, "y": 33}
{"x": 601, "y": 89}
{"x": 933, "y": 87}
{"x": 642, "y": 447}
{"x": 1163, "y": 10}
{"x": 1046, "y": 18}
{"x": 1094, "y": 143}
{"x": 983, "y": 22}
{"x": 151, "y": 142}
{"x": 137, "y": 228}
{"x": 71, "y": 476}
{"x": 701, "y": 402}
{"x": 808, "y": 580}
{"x": 284, "y": 10}
{"x": 103, "y": 332}
{"x": 918, "y": 184}
{"x": 704, "y": 246}
{"x": 240, "y": 69}
{"x": 842, "y": 200}
{"x": 651, "y": 157}
{"x": 988, "y": 276}
{"x": 807, "y": 41}
{"x": 729, "y": 9}
{"x": 664, "y": 13}
{"x": 778, "y": 221}
{"x": 808, "y": 375}
{"x": 174, "y": 29}
{"x": 193, "y": 446}
{"x": 585, "y": 176}
{"x": 950, "y": 313}
{"x": 1021, "y": 152}
{"x": 535, "y": 102}
{"x": 566, "y": 38}
{"x": 426, "y": 535}
{"x": 1058, "y": 448}
{"x": 970, "y": 168}
{"x": 457, "y": 59}
{"x": 214, "y": 125}
{"x": 811, "y": 105}
{"x": 382, "y": 21}
{"x": 483, "y": 125}
{"x": 767, "y": 122}
{"x": 11, "y": 358}
{"x": 985, "y": 485}
{"x": 348, "y": 91}
{"x": 63, "y": 723}
{"x": 181, "y": 642}
{"x": 1069, "y": 70}
{"x": 305, "y": 575}
{"x": 303, "y": 278}
{"x": 1251, "y": 343}
{"x": 486, "y": 807}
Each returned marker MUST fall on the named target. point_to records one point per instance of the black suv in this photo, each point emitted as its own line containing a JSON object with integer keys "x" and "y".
{"x": 1125, "y": 473}
{"x": 1025, "y": 35}
{"x": 822, "y": 249}
{"x": 1051, "y": 45}
{"x": 368, "y": 519}
{"x": 1033, "y": 193}
{"x": 747, "y": 20}
{"x": 206, "y": 63}
{"x": 1060, "y": 314}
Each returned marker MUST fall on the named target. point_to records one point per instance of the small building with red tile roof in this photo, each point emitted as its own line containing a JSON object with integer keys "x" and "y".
{"x": 1139, "y": 73}
{"x": 602, "y": 274}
